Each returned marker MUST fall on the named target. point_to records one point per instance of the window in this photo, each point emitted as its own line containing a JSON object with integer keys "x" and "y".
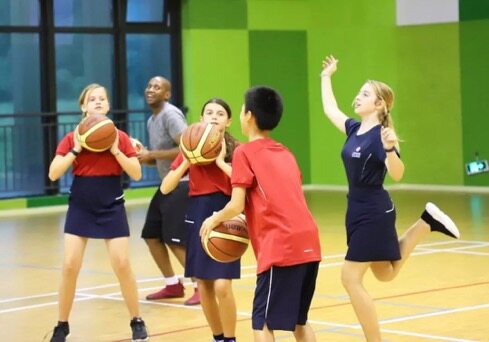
{"x": 154, "y": 52}
{"x": 85, "y": 13}
{"x": 145, "y": 11}
{"x": 75, "y": 69}
{"x": 46, "y": 60}
{"x": 20, "y": 135}
{"x": 19, "y": 13}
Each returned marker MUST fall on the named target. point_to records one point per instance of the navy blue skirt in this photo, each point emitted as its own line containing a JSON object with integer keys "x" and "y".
{"x": 96, "y": 208}
{"x": 371, "y": 229}
{"x": 197, "y": 263}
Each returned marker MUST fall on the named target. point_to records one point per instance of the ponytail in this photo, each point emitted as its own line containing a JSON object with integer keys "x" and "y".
{"x": 385, "y": 118}
{"x": 385, "y": 94}
{"x": 231, "y": 144}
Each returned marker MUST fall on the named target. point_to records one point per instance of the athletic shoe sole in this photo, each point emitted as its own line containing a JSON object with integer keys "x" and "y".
{"x": 443, "y": 218}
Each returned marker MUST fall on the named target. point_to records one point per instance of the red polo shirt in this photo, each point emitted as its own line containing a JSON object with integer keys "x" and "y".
{"x": 89, "y": 163}
{"x": 281, "y": 227}
{"x": 205, "y": 179}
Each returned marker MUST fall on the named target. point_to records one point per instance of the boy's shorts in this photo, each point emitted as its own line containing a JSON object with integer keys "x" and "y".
{"x": 165, "y": 219}
{"x": 283, "y": 296}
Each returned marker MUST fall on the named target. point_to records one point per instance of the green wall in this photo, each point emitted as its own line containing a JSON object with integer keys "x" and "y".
{"x": 289, "y": 76}
{"x": 439, "y": 73}
{"x": 429, "y": 103}
{"x": 475, "y": 93}
{"x": 361, "y": 39}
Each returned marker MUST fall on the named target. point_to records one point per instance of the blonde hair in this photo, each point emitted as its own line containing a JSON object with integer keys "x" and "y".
{"x": 386, "y": 95}
{"x": 87, "y": 91}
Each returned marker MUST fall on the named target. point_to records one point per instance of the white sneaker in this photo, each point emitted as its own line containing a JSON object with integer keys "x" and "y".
{"x": 444, "y": 224}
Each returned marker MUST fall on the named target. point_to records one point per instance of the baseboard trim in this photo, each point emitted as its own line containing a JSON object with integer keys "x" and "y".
{"x": 18, "y": 206}
{"x": 406, "y": 187}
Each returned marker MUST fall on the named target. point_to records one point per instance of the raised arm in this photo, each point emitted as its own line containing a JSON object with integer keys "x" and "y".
{"x": 330, "y": 106}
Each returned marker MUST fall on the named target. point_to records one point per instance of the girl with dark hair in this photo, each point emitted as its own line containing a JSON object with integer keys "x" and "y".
{"x": 210, "y": 190}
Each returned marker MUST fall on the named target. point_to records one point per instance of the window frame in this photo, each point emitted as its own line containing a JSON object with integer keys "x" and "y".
{"x": 47, "y": 30}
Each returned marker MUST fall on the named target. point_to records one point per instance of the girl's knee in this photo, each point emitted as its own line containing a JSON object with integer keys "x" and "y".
{"x": 383, "y": 272}
{"x": 71, "y": 265}
{"x": 70, "y": 268}
{"x": 223, "y": 288}
{"x": 350, "y": 281}
{"x": 121, "y": 265}
{"x": 347, "y": 279}
{"x": 384, "y": 277}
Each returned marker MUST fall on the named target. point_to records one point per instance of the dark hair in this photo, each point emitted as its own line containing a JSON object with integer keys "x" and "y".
{"x": 231, "y": 142}
{"x": 265, "y": 104}
{"x": 220, "y": 102}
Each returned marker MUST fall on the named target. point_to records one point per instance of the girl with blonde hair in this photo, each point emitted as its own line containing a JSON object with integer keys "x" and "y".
{"x": 96, "y": 210}
{"x": 370, "y": 152}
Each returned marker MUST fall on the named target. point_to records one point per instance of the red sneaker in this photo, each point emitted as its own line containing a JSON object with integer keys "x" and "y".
{"x": 169, "y": 291}
{"x": 194, "y": 300}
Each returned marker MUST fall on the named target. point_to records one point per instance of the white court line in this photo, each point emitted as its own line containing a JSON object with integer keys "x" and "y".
{"x": 16, "y": 299}
{"x": 437, "y": 313}
{"x": 421, "y": 247}
{"x": 391, "y": 331}
{"x": 36, "y": 306}
{"x": 110, "y": 296}
{"x": 456, "y": 251}
{"x": 453, "y": 242}
{"x": 430, "y": 337}
{"x": 425, "y": 250}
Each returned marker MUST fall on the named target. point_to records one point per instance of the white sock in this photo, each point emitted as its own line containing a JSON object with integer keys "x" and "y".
{"x": 195, "y": 285}
{"x": 171, "y": 280}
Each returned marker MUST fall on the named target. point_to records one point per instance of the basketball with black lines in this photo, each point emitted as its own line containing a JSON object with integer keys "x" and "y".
{"x": 96, "y": 133}
{"x": 228, "y": 241}
{"x": 201, "y": 143}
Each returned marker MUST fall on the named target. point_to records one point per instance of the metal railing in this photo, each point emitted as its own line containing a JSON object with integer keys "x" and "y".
{"x": 28, "y": 143}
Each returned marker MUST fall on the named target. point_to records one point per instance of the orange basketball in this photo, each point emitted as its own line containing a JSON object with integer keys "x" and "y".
{"x": 228, "y": 241}
{"x": 97, "y": 133}
{"x": 200, "y": 143}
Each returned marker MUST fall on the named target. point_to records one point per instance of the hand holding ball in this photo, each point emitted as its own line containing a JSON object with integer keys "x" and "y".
{"x": 201, "y": 143}
{"x": 96, "y": 133}
{"x": 227, "y": 241}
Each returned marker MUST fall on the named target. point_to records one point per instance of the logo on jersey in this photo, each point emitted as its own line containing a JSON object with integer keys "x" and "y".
{"x": 357, "y": 153}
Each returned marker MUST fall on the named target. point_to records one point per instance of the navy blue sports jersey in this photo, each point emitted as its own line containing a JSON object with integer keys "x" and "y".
{"x": 363, "y": 157}
{"x": 371, "y": 215}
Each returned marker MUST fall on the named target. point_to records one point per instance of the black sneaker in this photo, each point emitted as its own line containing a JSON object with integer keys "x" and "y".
{"x": 61, "y": 332}
{"x": 439, "y": 221}
{"x": 139, "y": 333}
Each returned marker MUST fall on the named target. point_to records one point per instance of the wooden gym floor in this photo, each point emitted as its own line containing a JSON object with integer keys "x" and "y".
{"x": 442, "y": 294}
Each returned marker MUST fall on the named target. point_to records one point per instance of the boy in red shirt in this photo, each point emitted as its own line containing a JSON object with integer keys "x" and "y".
{"x": 267, "y": 184}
